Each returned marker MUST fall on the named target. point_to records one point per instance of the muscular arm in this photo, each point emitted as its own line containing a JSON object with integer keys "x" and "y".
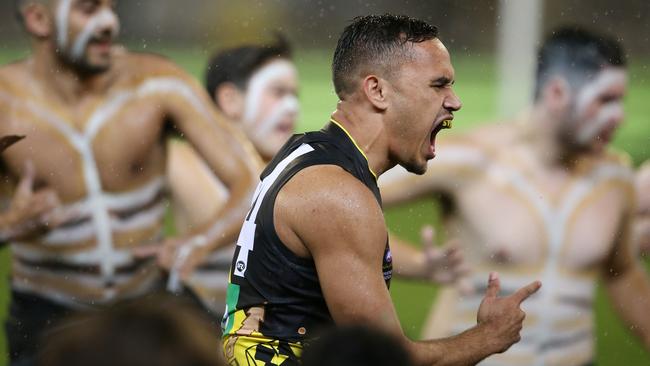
{"x": 345, "y": 234}
{"x": 226, "y": 152}
{"x": 628, "y": 286}
{"x": 188, "y": 174}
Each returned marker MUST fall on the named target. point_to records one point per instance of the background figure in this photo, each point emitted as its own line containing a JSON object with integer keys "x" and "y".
{"x": 355, "y": 346}
{"x": 256, "y": 86}
{"x": 153, "y": 331}
{"x": 543, "y": 197}
{"x": 642, "y": 222}
{"x": 96, "y": 117}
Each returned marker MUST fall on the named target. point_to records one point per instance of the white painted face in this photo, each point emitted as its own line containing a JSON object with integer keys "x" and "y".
{"x": 598, "y": 109}
{"x": 85, "y": 32}
{"x": 271, "y": 106}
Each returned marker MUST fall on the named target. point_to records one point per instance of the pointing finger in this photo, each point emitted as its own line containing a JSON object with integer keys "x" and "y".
{"x": 525, "y": 292}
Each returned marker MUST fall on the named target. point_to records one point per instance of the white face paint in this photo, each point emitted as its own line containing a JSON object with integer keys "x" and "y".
{"x": 259, "y": 123}
{"x": 606, "y": 82}
{"x": 104, "y": 19}
{"x": 62, "y": 15}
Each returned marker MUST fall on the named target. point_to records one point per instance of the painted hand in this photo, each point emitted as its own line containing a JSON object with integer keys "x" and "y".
{"x": 178, "y": 256}
{"x": 31, "y": 212}
{"x": 442, "y": 264}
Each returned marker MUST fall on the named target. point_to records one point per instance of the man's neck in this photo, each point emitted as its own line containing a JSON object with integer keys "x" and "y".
{"x": 545, "y": 143}
{"x": 368, "y": 133}
{"x": 68, "y": 84}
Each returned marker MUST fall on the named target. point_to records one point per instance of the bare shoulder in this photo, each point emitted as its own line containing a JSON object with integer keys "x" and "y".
{"x": 13, "y": 76}
{"x": 149, "y": 65}
{"x": 643, "y": 174}
{"x": 619, "y": 158}
{"x": 326, "y": 202}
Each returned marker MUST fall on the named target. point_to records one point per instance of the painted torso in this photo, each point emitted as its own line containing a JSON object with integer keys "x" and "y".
{"x": 530, "y": 222}
{"x": 104, "y": 155}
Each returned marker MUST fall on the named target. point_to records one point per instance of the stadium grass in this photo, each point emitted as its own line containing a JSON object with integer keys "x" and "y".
{"x": 476, "y": 87}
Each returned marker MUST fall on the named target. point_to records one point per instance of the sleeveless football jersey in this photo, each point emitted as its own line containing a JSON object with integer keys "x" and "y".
{"x": 274, "y": 299}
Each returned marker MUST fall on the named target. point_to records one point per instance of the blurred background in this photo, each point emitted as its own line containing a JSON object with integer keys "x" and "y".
{"x": 492, "y": 43}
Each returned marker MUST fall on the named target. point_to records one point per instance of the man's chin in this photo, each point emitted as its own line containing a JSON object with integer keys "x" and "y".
{"x": 415, "y": 168}
{"x": 86, "y": 66}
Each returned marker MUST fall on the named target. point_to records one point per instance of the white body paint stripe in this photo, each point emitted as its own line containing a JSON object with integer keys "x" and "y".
{"x": 544, "y": 305}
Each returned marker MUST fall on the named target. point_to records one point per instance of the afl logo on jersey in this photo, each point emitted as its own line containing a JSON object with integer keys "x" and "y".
{"x": 388, "y": 256}
{"x": 241, "y": 266}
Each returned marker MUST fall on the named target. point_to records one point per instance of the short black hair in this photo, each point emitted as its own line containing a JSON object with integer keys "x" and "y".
{"x": 576, "y": 54}
{"x": 237, "y": 65}
{"x": 375, "y": 41}
{"x": 355, "y": 346}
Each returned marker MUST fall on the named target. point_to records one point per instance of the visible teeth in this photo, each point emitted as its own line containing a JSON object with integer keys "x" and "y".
{"x": 446, "y": 123}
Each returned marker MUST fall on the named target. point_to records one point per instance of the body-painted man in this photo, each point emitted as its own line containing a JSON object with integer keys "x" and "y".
{"x": 543, "y": 198}
{"x": 256, "y": 86}
{"x": 95, "y": 118}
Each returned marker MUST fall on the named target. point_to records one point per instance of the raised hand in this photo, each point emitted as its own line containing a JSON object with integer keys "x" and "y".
{"x": 443, "y": 264}
{"x": 30, "y": 212}
{"x": 177, "y": 256}
{"x": 502, "y": 317}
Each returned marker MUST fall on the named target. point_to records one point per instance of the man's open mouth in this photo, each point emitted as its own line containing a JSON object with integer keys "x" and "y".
{"x": 445, "y": 124}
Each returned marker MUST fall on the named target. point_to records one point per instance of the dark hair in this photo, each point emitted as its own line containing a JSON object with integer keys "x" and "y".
{"x": 576, "y": 54}
{"x": 355, "y": 346}
{"x": 18, "y": 10}
{"x": 375, "y": 41}
{"x": 159, "y": 330}
{"x": 237, "y": 65}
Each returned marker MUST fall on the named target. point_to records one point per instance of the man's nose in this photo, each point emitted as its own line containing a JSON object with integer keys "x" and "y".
{"x": 452, "y": 102}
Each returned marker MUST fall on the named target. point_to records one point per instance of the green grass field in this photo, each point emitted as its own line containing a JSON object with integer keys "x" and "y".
{"x": 476, "y": 87}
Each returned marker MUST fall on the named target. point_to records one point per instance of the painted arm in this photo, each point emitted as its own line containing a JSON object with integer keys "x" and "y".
{"x": 438, "y": 264}
{"x": 458, "y": 163}
{"x": 227, "y": 153}
{"x": 628, "y": 286}
{"x": 642, "y": 219}
{"x": 188, "y": 174}
{"x": 346, "y": 237}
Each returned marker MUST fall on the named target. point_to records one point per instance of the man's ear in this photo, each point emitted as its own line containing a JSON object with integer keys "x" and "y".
{"x": 37, "y": 19}
{"x": 375, "y": 89}
{"x": 230, "y": 100}
{"x": 557, "y": 94}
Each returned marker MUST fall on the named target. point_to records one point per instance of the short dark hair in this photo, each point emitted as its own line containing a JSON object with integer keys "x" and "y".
{"x": 375, "y": 41}
{"x": 237, "y": 65}
{"x": 576, "y": 54}
{"x": 356, "y": 346}
{"x": 157, "y": 330}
